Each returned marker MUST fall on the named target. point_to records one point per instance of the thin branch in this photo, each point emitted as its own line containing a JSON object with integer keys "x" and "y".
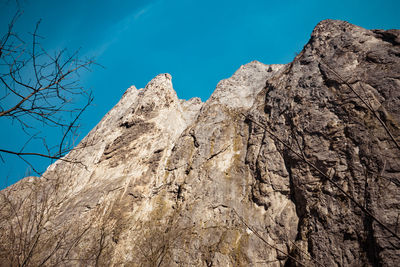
{"x": 300, "y": 156}
{"x": 365, "y": 103}
{"x": 265, "y": 241}
{"x": 57, "y": 157}
{"x": 90, "y": 100}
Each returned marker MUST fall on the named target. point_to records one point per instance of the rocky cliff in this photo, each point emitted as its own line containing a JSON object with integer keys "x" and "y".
{"x": 284, "y": 165}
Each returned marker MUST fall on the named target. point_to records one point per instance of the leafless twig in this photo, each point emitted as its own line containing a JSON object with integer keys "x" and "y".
{"x": 38, "y": 89}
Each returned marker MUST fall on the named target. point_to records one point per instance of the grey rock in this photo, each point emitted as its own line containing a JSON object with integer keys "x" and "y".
{"x": 284, "y": 165}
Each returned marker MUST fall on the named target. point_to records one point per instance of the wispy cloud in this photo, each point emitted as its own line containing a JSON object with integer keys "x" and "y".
{"x": 118, "y": 29}
{"x": 142, "y": 11}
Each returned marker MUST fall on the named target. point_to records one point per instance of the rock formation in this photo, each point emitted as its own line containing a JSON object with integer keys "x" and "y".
{"x": 284, "y": 165}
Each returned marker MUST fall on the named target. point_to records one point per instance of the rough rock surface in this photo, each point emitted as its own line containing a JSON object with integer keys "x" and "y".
{"x": 284, "y": 165}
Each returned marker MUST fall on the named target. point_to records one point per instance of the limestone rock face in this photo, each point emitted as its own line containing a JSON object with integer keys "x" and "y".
{"x": 284, "y": 165}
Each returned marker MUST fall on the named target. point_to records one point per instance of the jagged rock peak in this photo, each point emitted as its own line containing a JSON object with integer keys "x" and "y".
{"x": 161, "y": 81}
{"x": 331, "y": 27}
{"x": 159, "y": 91}
{"x": 239, "y": 91}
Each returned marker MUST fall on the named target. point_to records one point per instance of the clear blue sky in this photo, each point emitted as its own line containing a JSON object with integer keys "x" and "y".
{"x": 197, "y": 42}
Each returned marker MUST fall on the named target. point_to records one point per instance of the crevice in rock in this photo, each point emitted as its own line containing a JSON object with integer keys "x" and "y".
{"x": 195, "y": 142}
{"x": 253, "y": 163}
{"x": 179, "y": 193}
{"x": 255, "y": 191}
{"x": 370, "y": 247}
{"x": 268, "y": 89}
{"x": 389, "y": 36}
{"x": 219, "y": 152}
{"x": 175, "y": 167}
{"x": 326, "y": 77}
{"x": 300, "y": 202}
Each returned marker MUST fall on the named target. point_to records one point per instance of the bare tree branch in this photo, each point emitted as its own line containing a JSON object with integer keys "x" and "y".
{"x": 40, "y": 89}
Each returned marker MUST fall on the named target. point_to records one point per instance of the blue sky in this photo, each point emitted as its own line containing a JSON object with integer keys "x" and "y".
{"x": 197, "y": 42}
